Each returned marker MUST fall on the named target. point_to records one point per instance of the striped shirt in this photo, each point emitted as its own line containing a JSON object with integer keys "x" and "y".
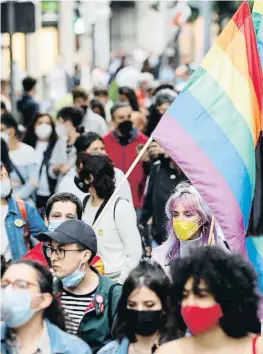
{"x": 75, "y": 306}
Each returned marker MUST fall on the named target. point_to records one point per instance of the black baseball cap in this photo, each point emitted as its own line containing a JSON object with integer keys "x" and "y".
{"x": 72, "y": 231}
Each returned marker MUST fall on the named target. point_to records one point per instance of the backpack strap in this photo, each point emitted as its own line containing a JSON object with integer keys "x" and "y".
{"x": 115, "y": 205}
{"x": 23, "y": 212}
{"x": 111, "y": 315}
{"x": 85, "y": 201}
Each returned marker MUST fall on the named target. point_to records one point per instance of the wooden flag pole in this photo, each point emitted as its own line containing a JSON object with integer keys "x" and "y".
{"x": 117, "y": 189}
{"x": 211, "y": 237}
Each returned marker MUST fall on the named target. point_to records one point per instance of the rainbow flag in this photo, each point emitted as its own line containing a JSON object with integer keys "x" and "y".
{"x": 212, "y": 128}
{"x": 257, "y": 16}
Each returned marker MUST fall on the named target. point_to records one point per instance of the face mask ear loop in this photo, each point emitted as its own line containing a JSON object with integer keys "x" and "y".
{"x": 211, "y": 237}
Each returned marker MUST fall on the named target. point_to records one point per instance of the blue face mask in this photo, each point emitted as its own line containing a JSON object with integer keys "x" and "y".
{"x": 54, "y": 223}
{"x": 15, "y": 307}
{"x": 74, "y": 278}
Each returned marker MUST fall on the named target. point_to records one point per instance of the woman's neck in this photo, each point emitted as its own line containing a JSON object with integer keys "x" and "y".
{"x": 43, "y": 140}
{"x": 13, "y": 144}
{"x": 95, "y": 200}
{"x": 29, "y": 335}
{"x": 146, "y": 343}
{"x": 72, "y": 137}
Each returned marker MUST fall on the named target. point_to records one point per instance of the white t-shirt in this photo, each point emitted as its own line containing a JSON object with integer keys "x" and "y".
{"x": 119, "y": 240}
{"x": 5, "y": 248}
{"x": 43, "y": 186}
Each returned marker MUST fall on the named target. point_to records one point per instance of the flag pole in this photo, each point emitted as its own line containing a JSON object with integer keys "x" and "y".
{"x": 117, "y": 189}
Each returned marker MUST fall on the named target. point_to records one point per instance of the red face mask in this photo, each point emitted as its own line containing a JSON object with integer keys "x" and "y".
{"x": 199, "y": 320}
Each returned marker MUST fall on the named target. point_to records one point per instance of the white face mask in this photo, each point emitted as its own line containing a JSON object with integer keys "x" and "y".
{"x": 5, "y": 137}
{"x": 43, "y": 131}
{"x": 5, "y": 188}
{"x": 61, "y": 130}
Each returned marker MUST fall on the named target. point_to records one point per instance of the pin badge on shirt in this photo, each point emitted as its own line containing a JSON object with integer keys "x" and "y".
{"x": 100, "y": 301}
{"x": 100, "y": 232}
{"x": 19, "y": 222}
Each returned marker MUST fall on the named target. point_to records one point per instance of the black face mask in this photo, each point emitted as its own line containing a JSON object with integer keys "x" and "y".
{"x": 144, "y": 323}
{"x": 125, "y": 127}
{"x": 82, "y": 186}
{"x": 84, "y": 108}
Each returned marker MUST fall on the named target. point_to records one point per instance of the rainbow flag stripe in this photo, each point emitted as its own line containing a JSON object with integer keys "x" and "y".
{"x": 255, "y": 255}
{"x": 212, "y": 128}
{"x": 257, "y": 16}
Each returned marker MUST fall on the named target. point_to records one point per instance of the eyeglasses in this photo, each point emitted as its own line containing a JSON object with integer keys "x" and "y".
{"x": 17, "y": 284}
{"x": 60, "y": 252}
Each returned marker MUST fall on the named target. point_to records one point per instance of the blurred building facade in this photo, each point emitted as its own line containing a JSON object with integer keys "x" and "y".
{"x": 87, "y": 32}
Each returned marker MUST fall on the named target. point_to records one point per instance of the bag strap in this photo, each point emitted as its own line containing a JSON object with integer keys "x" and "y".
{"x": 23, "y": 181}
{"x": 115, "y": 205}
{"x": 23, "y": 212}
{"x": 110, "y": 305}
{"x": 85, "y": 201}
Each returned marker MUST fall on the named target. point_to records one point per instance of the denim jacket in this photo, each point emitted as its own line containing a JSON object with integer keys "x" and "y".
{"x": 115, "y": 347}
{"x": 14, "y": 224}
{"x": 60, "y": 342}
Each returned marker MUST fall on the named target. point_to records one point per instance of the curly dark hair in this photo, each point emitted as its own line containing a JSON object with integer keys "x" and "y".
{"x": 229, "y": 279}
{"x": 54, "y": 312}
{"x": 102, "y": 169}
{"x": 30, "y": 137}
{"x": 151, "y": 275}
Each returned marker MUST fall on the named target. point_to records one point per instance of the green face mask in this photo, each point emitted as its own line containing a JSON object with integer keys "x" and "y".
{"x": 184, "y": 230}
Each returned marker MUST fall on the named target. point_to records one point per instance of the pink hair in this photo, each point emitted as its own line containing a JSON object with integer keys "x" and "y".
{"x": 189, "y": 197}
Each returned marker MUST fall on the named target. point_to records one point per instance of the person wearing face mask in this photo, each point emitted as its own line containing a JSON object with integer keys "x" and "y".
{"x": 142, "y": 324}
{"x": 60, "y": 207}
{"x": 121, "y": 146}
{"x": 68, "y": 128}
{"x": 89, "y": 300}
{"x": 42, "y": 136}
{"x": 117, "y": 229}
{"x": 32, "y": 318}
{"x": 19, "y": 221}
{"x": 189, "y": 223}
{"x": 92, "y": 122}
{"x": 92, "y": 144}
{"x": 24, "y": 173}
{"x": 215, "y": 296}
{"x": 164, "y": 176}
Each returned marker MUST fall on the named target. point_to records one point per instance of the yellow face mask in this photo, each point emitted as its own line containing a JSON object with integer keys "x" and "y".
{"x": 184, "y": 230}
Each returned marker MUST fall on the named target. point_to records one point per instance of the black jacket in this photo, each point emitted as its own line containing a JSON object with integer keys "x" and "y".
{"x": 28, "y": 108}
{"x": 162, "y": 181}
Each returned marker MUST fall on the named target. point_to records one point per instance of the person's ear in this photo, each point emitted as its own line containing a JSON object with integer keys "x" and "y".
{"x": 90, "y": 180}
{"x": 41, "y": 302}
{"x": 46, "y": 221}
{"x": 87, "y": 256}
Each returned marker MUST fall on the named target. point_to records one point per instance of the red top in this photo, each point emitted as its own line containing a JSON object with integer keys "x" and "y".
{"x": 123, "y": 157}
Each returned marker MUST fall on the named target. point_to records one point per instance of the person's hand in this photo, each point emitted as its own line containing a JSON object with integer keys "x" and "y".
{"x": 65, "y": 168}
{"x": 155, "y": 150}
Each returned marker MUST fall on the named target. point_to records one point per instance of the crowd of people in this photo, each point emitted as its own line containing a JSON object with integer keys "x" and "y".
{"x": 145, "y": 269}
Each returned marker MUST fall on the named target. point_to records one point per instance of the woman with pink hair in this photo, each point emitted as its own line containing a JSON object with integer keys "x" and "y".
{"x": 189, "y": 224}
